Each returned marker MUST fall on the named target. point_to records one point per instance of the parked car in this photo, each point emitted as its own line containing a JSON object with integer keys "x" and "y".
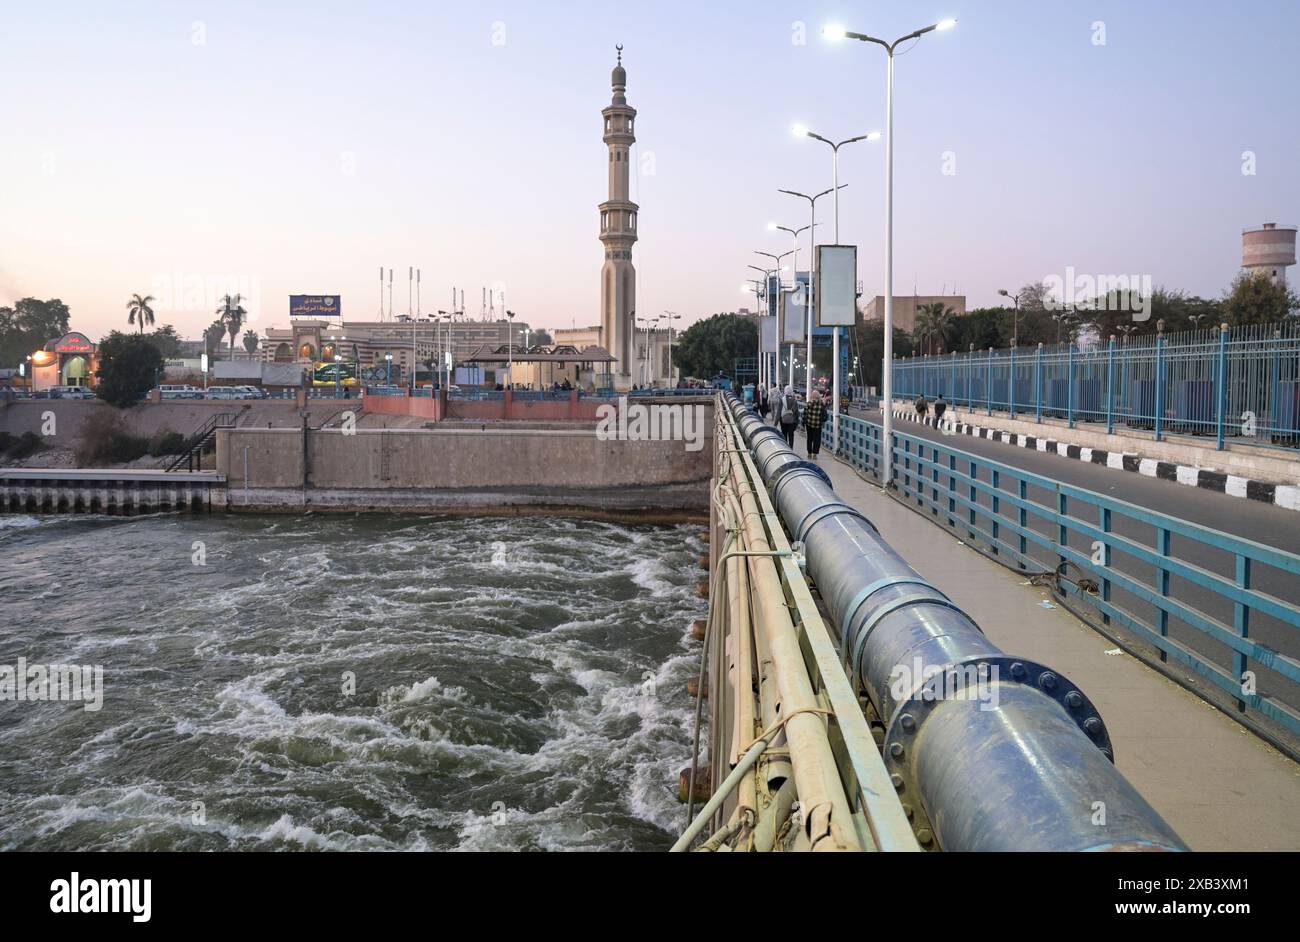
{"x": 70, "y": 392}
{"x": 256, "y": 392}
{"x": 180, "y": 392}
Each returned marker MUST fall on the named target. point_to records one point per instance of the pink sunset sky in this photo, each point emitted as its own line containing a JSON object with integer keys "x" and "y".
{"x": 298, "y": 147}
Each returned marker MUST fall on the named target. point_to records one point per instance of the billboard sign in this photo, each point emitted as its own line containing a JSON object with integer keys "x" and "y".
{"x": 767, "y": 333}
{"x": 837, "y": 285}
{"x": 792, "y": 323}
{"x": 315, "y": 305}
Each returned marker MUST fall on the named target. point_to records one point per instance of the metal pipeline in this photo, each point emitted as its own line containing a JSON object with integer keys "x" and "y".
{"x": 987, "y": 751}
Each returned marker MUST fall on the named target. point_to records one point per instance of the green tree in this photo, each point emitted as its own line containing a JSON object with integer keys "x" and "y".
{"x": 251, "y": 341}
{"x": 712, "y": 346}
{"x": 985, "y": 327}
{"x": 129, "y": 366}
{"x": 166, "y": 340}
{"x": 232, "y": 314}
{"x": 28, "y": 325}
{"x": 212, "y": 338}
{"x": 139, "y": 312}
{"x": 1255, "y": 299}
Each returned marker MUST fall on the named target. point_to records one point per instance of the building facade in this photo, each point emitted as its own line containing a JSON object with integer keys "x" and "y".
{"x": 649, "y": 352}
{"x": 367, "y": 345}
{"x": 618, "y": 221}
{"x": 906, "y": 306}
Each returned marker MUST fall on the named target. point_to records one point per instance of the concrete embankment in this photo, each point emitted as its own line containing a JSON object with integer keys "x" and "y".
{"x": 487, "y": 470}
{"x": 63, "y": 423}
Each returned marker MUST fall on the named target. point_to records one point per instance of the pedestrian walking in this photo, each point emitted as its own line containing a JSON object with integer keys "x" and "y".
{"x": 814, "y": 414}
{"x": 940, "y": 407}
{"x": 921, "y": 407}
{"x": 788, "y": 412}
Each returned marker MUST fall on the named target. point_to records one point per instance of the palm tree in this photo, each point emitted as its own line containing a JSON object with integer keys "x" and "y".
{"x": 139, "y": 311}
{"x": 212, "y": 338}
{"x": 251, "y": 341}
{"x": 933, "y": 321}
{"x": 231, "y": 313}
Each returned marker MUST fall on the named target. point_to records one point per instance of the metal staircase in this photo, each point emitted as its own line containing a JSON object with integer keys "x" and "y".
{"x": 192, "y": 456}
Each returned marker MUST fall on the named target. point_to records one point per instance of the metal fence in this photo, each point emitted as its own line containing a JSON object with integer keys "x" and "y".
{"x": 1240, "y": 385}
{"x": 1225, "y": 607}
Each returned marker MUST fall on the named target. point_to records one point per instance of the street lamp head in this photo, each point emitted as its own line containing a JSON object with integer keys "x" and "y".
{"x": 834, "y": 32}
{"x": 771, "y": 227}
{"x": 874, "y": 136}
{"x": 799, "y": 130}
{"x": 943, "y": 25}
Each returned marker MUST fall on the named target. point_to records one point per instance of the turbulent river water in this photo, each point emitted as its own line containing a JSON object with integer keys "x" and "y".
{"x": 519, "y": 684}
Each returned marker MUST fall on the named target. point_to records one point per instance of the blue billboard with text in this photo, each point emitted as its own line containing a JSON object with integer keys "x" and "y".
{"x": 315, "y": 305}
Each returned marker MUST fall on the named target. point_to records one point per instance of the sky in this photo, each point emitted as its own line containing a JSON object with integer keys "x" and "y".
{"x": 182, "y": 149}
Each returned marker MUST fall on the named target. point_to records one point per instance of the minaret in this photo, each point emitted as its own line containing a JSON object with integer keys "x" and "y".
{"x": 618, "y": 233}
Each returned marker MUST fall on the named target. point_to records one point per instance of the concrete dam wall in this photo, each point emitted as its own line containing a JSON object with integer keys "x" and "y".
{"x": 465, "y": 471}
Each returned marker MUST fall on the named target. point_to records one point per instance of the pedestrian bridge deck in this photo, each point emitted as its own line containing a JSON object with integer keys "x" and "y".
{"x": 1218, "y": 785}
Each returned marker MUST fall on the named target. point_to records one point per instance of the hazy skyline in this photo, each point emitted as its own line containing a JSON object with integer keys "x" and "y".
{"x": 302, "y": 147}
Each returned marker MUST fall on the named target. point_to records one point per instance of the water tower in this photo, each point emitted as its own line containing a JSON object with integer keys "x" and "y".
{"x": 1269, "y": 249}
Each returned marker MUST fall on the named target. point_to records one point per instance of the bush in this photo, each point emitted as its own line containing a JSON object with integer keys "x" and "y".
{"x": 6, "y": 442}
{"x": 108, "y": 442}
{"x": 166, "y": 442}
{"x": 28, "y": 443}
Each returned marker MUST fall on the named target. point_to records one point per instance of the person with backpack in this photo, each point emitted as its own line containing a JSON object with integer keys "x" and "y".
{"x": 788, "y": 414}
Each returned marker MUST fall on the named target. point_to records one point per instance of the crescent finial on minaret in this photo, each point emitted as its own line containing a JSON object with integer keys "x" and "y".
{"x": 619, "y": 47}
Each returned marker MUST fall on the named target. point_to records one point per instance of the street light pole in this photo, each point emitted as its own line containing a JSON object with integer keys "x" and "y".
{"x": 887, "y": 377}
{"x": 510, "y": 349}
{"x": 1015, "y": 316}
{"x": 671, "y": 316}
{"x": 775, "y": 307}
{"x": 812, "y": 277}
{"x": 794, "y": 233}
{"x": 801, "y": 131}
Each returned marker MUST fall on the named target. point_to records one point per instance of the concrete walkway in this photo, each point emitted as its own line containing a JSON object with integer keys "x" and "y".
{"x": 1216, "y": 784}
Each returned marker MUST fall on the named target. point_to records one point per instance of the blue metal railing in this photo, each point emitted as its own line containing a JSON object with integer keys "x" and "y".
{"x": 1221, "y": 605}
{"x": 1241, "y": 385}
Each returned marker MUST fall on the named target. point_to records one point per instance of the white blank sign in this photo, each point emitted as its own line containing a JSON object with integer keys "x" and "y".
{"x": 837, "y": 285}
{"x": 793, "y": 314}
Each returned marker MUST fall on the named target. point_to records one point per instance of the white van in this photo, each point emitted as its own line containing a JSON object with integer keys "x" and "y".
{"x": 71, "y": 392}
{"x": 180, "y": 392}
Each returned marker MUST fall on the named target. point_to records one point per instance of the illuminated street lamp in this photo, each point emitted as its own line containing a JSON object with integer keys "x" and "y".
{"x": 887, "y": 379}
{"x": 802, "y": 131}
{"x": 773, "y": 306}
{"x": 812, "y": 273}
